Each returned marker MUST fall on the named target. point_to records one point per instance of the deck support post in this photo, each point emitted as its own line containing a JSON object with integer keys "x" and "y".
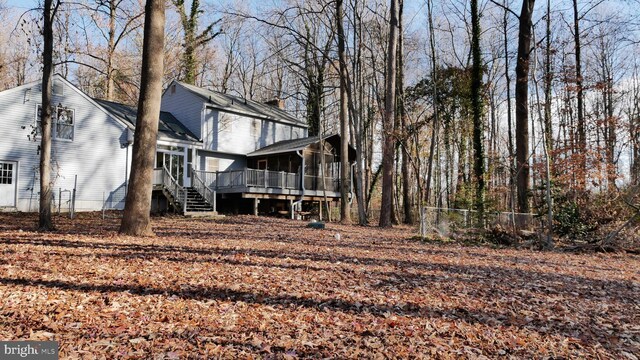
{"x": 256, "y": 201}
{"x": 291, "y": 208}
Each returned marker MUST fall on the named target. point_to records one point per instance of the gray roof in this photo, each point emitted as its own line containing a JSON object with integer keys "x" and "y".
{"x": 286, "y": 146}
{"x": 168, "y": 126}
{"x": 236, "y": 104}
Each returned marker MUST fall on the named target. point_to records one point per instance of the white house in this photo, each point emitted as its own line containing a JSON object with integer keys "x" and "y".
{"x": 256, "y": 156}
{"x": 212, "y": 147}
{"x": 89, "y": 149}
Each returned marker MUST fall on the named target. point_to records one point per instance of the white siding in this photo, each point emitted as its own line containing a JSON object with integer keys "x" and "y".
{"x": 225, "y": 162}
{"x": 238, "y": 134}
{"x": 95, "y": 154}
{"x": 185, "y": 106}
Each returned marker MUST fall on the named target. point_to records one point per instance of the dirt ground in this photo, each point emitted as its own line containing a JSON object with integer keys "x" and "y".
{"x": 253, "y": 287}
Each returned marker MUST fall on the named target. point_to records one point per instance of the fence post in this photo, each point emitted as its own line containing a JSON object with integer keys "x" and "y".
{"x": 73, "y": 197}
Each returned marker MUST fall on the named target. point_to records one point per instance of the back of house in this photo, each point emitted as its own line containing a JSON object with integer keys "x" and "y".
{"x": 89, "y": 150}
{"x": 212, "y": 148}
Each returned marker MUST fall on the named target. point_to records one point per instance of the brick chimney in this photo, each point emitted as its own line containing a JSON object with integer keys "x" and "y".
{"x": 277, "y": 102}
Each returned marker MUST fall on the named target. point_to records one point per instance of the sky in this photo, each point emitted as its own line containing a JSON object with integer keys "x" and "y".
{"x": 21, "y": 4}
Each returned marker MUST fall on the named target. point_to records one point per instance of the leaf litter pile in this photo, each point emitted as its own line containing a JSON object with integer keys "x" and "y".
{"x": 250, "y": 287}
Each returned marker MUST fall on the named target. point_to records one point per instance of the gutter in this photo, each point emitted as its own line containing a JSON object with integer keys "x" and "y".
{"x": 301, "y": 185}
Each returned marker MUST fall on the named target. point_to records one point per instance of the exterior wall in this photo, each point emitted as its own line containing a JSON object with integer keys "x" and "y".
{"x": 95, "y": 155}
{"x": 223, "y": 131}
{"x": 224, "y": 162}
{"x": 238, "y": 134}
{"x": 185, "y": 106}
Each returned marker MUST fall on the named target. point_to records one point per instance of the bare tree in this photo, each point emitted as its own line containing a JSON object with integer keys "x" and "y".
{"x": 388, "y": 120}
{"x": 345, "y": 208}
{"x": 522, "y": 105}
{"x": 581, "y": 125}
{"x": 46, "y": 194}
{"x": 117, "y": 12}
{"x": 477, "y": 109}
{"x": 136, "y": 219}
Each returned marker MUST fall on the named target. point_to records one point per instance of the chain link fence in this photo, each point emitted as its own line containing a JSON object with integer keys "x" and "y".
{"x": 446, "y": 220}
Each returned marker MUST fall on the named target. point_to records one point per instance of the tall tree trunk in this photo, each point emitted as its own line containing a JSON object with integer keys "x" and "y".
{"x": 581, "y": 126}
{"x": 548, "y": 243}
{"x": 522, "y": 105}
{"x": 111, "y": 49}
{"x": 436, "y": 117}
{"x": 345, "y": 206}
{"x": 548, "y": 131}
{"x": 634, "y": 119}
{"x": 610, "y": 122}
{"x": 512, "y": 168}
{"x": 477, "y": 108}
{"x": 136, "y": 219}
{"x": 46, "y": 194}
{"x": 357, "y": 116}
{"x": 388, "y": 120}
{"x": 407, "y": 199}
{"x": 548, "y": 83}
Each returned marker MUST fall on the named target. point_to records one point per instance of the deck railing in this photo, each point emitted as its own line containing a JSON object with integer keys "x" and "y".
{"x": 315, "y": 183}
{"x": 265, "y": 179}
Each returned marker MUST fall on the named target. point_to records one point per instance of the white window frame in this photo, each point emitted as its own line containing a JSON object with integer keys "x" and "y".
{"x": 7, "y": 176}
{"x": 54, "y": 123}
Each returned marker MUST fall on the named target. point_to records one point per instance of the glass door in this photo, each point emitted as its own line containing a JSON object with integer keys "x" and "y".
{"x": 173, "y": 162}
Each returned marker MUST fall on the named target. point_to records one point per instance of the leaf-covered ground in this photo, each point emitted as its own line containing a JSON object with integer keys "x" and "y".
{"x": 248, "y": 287}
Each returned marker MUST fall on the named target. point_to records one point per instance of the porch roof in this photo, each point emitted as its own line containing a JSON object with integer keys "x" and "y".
{"x": 168, "y": 126}
{"x": 287, "y": 146}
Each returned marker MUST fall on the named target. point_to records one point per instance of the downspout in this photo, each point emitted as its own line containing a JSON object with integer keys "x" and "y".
{"x": 301, "y": 184}
{"x": 203, "y": 119}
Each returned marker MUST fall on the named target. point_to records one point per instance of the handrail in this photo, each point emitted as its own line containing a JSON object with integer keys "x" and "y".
{"x": 203, "y": 189}
{"x": 175, "y": 189}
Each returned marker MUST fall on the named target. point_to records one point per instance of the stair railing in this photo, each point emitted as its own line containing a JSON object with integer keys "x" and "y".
{"x": 176, "y": 190}
{"x": 206, "y": 192}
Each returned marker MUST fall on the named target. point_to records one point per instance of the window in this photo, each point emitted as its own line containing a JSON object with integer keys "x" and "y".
{"x": 6, "y": 174}
{"x": 57, "y": 88}
{"x": 62, "y": 122}
{"x": 171, "y": 148}
{"x": 213, "y": 164}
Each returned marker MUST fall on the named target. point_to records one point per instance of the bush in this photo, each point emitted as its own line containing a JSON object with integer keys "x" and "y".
{"x": 569, "y": 221}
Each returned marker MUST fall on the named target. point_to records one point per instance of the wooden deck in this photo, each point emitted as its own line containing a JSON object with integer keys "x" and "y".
{"x": 254, "y": 183}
